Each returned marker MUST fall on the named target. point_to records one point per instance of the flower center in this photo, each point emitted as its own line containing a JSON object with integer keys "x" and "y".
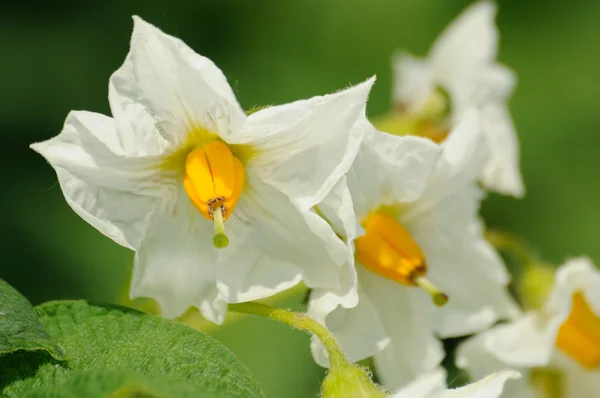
{"x": 389, "y": 250}
{"x": 579, "y": 335}
{"x": 214, "y": 181}
{"x": 430, "y": 121}
{"x": 434, "y": 131}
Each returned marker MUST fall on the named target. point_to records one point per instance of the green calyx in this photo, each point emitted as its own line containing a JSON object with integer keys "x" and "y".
{"x": 349, "y": 381}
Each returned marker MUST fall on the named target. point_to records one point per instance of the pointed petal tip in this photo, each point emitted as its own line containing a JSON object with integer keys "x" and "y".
{"x": 138, "y": 20}
{"x": 512, "y": 374}
{"x": 36, "y": 146}
{"x": 363, "y": 88}
{"x": 40, "y": 147}
{"x": 141, "y": 26}
{"x": 369, "y": 82}
{"x": 489, "y": 6}
{"x": 484, "y": 9}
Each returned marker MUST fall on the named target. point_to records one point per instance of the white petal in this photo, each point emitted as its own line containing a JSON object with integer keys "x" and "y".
{"x": 428, "y": 385}
{"x": 452, "y": 228}
{"x": 305, "y": 147}
{"x": 390, "y": 170}
{"x": 358, "y": 330}
{"x": 338, "y": 209}
{"x": 286, "y": 243}
{"x": 578, "y": 274}
{"x": 476, "y": 300}
{"x": 501, "y": 172}
{"x": 464, "y": 63}
{"x": 245, "y": 270}
{"x": 465, "y": 150}
{"x": 462, "y": 264}
{"x": 115, "y": 194}
{"x": 490, "y": 387}
{"x": 576, "y": 380}
{"x": 469, "y": 42}
{"x": 526, "y": 342}
{"x": 433, "y": 385}
{"x": 163, "y": 79}
{"x": 413, "y": 348}
{"x": 413, "y": 81}
{"x": 489, "y": 83}
{"x": 138, "y": 126}
{"x": 175, "y": 264}
{"x": 463, "y": 155}
{"x": 475, "y": 356}
{"x": 444, "y": 222}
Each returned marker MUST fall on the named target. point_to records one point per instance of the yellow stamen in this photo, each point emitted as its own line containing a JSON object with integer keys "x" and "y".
{"x": 389, "y": 250}
{"x": 214, "y": 181}
{"x": 434, "y": 131}
{"x": 579, "y": 335}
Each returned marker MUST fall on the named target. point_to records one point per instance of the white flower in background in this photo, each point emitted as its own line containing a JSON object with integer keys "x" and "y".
{"x": 433, "y": 385}
{"x": 418, "y": 204}
{"x": 462, "y": 64}
{"x": 556, "y": 348}
{"x": 181, "y": 165}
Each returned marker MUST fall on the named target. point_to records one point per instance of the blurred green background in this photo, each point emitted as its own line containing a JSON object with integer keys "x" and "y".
{"x": 57, "y": 56}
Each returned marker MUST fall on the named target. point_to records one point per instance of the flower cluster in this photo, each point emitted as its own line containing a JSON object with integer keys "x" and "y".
{"x": 379, "y": 219}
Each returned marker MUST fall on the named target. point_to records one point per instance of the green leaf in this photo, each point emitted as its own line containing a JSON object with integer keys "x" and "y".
{"x": 100, "y": 384}
{"x": 116, "y": 352}
{"x": 20, "y": 328}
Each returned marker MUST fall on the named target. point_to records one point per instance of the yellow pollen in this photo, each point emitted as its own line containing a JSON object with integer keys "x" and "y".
{"x": 389, "y": 250}
{"x": 433, "y": 131}
{"x": 579, "y": 335}
{"x": 214, "y": 181}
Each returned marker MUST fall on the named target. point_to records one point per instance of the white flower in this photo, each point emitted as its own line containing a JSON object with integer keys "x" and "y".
{"x": 181, "y": 153}
{"x": 433, "y": 385}
{"x": 417, "y": 202}
{"x": 556, "y": 348}
{"x": 462, "y": 62}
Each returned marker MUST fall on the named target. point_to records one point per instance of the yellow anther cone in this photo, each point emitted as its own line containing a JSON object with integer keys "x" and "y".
{"x": 389, "y": 250}
{"x": 214, "y": 181}
{"x": 579, "y": 335}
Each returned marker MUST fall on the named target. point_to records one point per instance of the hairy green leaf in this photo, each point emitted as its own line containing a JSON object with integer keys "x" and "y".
{"x": 118, "y": 352}
{"x": 20, "y": 328}
{"x": 101, "y": 384}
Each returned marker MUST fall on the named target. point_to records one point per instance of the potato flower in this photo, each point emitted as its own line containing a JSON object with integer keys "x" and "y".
{"x": 215, "y": 203}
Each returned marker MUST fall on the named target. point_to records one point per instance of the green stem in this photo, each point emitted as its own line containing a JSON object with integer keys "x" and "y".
{"x": 536, "y": 276}
{"x": 509, "y": 243}
{"x": 300, "y": 321}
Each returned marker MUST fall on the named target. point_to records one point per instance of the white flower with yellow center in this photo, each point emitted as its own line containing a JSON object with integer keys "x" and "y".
{"x": 556, "y": 348}
{"x": 216, "y": 204}
{"x": 462, "y": 64}
{"x": 433, "y": 385}
{"x": 417, "y": 203}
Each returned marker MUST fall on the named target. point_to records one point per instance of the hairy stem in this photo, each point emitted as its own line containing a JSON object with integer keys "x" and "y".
{"x": 300, "y": 321}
